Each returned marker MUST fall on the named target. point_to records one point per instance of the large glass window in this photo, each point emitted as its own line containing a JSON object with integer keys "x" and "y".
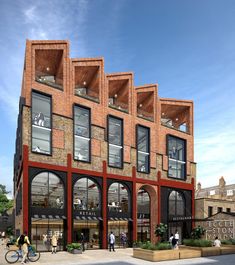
{"x": 143, "y": 149}
{"x": 86, "y": 195}
{"x": 118, "y": 198}
{"x": 41, "y": 123}
{"x": 47, "y": 191}
{"x": 176, "y": 204}
{"x": 115, "y": 139}
{"x": 177, "y": 157}
{"x": 143, "y": 216}
{"x": 82, "y": 133}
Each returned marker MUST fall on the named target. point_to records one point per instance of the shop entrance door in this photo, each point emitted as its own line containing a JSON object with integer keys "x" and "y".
{"x": 42, "y": 231}
{"x": 119, "y": 228}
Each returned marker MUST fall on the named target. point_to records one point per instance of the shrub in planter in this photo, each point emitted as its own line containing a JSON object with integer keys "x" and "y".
{"x": 74, "y": 248}
{"x": 228, "y": 242}
{"x": 197, "y": 243}
{"x": 159, "y": 246}
{"x": 161, "y": 230}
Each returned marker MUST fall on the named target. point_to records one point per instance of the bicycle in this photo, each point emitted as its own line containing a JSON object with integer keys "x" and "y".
{"x": 12, "y": 256}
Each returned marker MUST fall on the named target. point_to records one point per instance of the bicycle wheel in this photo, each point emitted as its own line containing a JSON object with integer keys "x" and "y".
{"x": 33, "y": 255}
{"x": 12, "y": 256}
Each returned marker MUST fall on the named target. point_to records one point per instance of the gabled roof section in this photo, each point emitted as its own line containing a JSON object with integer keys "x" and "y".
{"x": 146, "y": 101}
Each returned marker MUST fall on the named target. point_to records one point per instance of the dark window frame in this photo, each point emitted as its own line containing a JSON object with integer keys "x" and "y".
{"x": 89, "y": 109}
{"x": 185, "y": 155}
{"x": 51, "y": 123}
{"x": 122, "y": 139}
{"x": 149, "y": 150}
{"x": 210, "y": 211}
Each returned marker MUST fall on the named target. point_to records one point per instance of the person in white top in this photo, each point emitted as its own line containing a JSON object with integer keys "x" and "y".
{"x": 177, "y": 237}
{"x": 217, "y": 242}
{"x": 111, "y": 241}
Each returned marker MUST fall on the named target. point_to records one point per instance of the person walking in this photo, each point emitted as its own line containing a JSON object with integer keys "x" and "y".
{"x": 111, "y": 241}
{"x": 53, "y": 244}
{"x": 23, "y": 243}
{"x": 170, "y": 240}
{"x": 82, "y": 239}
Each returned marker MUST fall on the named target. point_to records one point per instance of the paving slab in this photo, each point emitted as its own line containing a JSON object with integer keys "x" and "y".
{"x": 119, "y": 257}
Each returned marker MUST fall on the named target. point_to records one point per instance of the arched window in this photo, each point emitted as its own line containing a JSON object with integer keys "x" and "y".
{"x": 143, "y": 216}
{"x": 47, "y": 191}
{"x": 86, "y": 195}
{"x": 118, "y": 198}
{"x": 176, "y": 204}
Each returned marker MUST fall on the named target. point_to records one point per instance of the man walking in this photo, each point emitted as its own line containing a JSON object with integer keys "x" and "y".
{"x": 111, "y": 241}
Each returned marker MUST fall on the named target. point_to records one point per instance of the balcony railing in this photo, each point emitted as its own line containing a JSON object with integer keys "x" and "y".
{"x": 84, "y": 93}
{"x": 49, "y": 80}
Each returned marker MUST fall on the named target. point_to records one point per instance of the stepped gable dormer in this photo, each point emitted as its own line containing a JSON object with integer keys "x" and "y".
{"x": 120, "y": 91}
{"x": 87, "y": 75}
{"x": 146, "y": 102}
{"x": 177, "y": 114}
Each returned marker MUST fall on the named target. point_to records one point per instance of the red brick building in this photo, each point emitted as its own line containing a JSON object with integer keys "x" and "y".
{"x": 95, "y": 154}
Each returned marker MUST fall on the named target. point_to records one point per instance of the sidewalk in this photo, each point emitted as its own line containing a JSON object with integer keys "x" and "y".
{"x": 119, "y": 257}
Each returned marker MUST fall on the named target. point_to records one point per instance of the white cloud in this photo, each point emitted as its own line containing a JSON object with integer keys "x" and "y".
{"x": 30, "y": 15}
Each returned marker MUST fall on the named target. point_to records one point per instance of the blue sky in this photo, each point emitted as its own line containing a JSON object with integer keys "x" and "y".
{"x": 187, "y": 47}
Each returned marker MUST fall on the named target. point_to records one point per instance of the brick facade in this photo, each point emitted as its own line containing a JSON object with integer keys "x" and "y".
{"x": 135, "y": 103}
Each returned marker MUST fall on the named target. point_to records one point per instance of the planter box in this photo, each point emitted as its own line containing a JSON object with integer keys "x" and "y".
{"x": 205, "y": 251}
{"x": 186, "y": 253}
{"x": 75, "y": 251}
{"x": 227, "y": 249}
{"x": 156, "y": 255}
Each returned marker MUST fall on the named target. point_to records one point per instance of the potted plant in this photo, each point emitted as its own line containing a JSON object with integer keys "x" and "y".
{"x": 74, "y": 248}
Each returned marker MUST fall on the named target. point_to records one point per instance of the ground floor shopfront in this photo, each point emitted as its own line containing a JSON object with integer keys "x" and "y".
{"x": 68, "y": 204}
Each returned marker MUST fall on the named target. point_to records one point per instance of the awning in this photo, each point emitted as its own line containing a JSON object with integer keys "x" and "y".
{"x": 89, "y": 218}
{"x": 49, "y": 216}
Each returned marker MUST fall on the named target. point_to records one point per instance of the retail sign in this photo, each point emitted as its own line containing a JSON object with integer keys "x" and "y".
{"x": 223, "y": 229}
{"x": 87, "y": 213}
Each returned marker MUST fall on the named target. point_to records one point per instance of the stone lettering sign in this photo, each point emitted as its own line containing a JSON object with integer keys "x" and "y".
{"x": 224, "y": 229}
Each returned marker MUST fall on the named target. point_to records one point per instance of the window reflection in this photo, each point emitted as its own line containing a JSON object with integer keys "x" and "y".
{"x": 176, "y": 204}
{"x": 143, "y": 149}
{"x": 47, "y": 191}
{"x": 86, "y": 195}
{"x": 41, "y": 123}
{"x": 82, "y": 133}
{"x": 177, "y": 159}
{"x": 118, "y": 198}
{"x": 115, "y": 134}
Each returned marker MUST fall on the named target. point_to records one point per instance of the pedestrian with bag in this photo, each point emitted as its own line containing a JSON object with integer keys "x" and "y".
{"x": 23, "y": 243}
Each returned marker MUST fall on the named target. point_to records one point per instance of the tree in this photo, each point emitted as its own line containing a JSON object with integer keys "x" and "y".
{"x": 5, "y": 203}
{"x": 161, "y": 230}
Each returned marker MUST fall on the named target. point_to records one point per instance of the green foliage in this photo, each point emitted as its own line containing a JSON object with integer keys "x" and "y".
{"x": 5, "y": 203}
{"x": 72, "y": 246}
{"x": 159, "y": 246}
{"x": 197, "y": 243}
{"x": 228, "y": 242}
{"x": 198, "y": 232}
{"x": 161, "y": 230}
{"x": 9, "y": 231}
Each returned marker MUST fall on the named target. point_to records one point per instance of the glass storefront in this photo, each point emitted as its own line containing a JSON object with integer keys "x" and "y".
{"x": 119, "y": 228}
{"x": 42, "y": 231}
{"x": 143, "y": 216}
{"x": 90, "y": 230}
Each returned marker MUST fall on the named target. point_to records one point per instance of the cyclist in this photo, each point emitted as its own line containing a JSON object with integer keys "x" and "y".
{"x": 23, "y": 243}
